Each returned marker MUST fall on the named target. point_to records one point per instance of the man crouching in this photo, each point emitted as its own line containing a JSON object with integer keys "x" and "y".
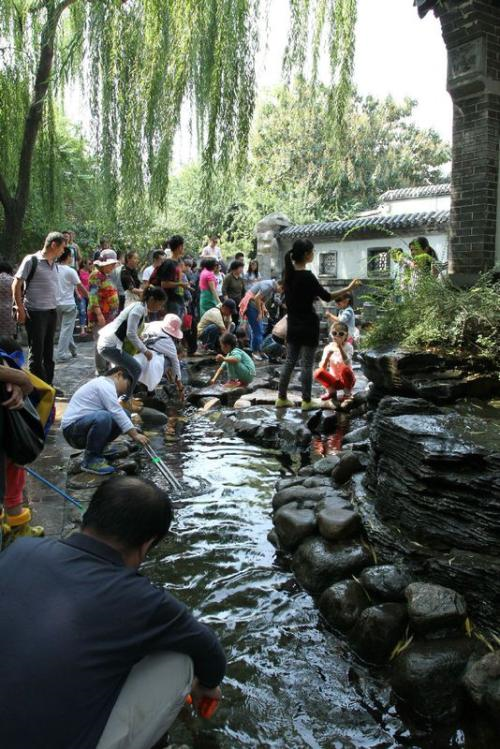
{"x": 104, "y": 658}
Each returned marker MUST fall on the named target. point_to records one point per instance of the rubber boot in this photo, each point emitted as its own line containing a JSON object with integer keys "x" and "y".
{"x": 20, "y": 526}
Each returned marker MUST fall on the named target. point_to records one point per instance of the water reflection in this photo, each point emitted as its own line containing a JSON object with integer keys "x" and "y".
{"x": 291, "y": 682}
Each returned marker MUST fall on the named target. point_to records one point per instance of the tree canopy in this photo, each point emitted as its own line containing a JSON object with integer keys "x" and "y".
{"x": 139, "y": 62}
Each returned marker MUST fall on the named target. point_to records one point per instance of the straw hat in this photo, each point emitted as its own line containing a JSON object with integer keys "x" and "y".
{"x": 172, "y": 325}
{"x": 107, "y": 257}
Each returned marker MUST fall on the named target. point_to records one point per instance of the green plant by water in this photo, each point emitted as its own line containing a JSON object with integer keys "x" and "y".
{"x": 430, "y": 312}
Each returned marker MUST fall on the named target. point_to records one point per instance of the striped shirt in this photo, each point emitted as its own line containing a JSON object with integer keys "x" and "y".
{"x": 43, "y": 288}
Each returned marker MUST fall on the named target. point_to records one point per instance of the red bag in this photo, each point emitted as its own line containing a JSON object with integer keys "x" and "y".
{"x": 187, "y": 321}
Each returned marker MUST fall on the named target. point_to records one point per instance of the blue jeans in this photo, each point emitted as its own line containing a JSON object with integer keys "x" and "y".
{"x": 210, "y": 337}
{"x": 82, "y": 304}
{"x": 176, "y": 307}
{"x": 256, "y": 326}
{"x": 272, "y": 348}
{"x": 92, "y": 433}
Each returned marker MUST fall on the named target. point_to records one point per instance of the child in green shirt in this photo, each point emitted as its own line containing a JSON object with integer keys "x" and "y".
{"x": 240, "y": 367}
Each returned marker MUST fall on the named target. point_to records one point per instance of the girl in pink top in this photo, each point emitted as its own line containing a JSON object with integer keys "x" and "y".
{"x": 82, "y": 302}
{"x": 208, "y": 286}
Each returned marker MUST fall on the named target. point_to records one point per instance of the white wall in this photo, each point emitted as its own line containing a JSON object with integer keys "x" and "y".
{"x": 417, "y": 205}
{"x": 352, "y": 255}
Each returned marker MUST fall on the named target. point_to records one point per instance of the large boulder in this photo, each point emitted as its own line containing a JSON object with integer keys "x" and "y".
{"x": 317, "y": 563}
{"x": 325, "y": 466}
{"x": 432, "y": 608}
{"x": 427, "y": 675}
{"x": 300, "y": 494}
{"x": 386, "y": 582}
{"x": 378, "y": 630}
{"x": 343, "y": 603}
{"x": 482, "y": 681}
{"x": 337, "y": 524}
{"x": 349, "y": 463}
{"x": 293, "y": 524}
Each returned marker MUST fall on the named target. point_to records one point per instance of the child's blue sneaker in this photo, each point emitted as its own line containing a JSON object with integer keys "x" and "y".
{"x": 98, "y": 466}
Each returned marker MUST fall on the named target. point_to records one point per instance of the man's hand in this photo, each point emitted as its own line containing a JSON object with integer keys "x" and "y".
{"x": 148, "y": 354}
{"x": 199, "y": 693}
{"x": 212, "y": 381}
{"x": 16, "y": 398}
{"x": 21, "y": 314}
{"x": 139, "y": 437}
{"x": 219, "y": 358}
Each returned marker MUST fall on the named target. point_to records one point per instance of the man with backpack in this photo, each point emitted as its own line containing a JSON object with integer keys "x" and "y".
{"x": 34, "y": 289}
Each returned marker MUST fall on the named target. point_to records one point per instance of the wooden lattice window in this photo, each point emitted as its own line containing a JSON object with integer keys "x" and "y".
{"x": 379, "y": 262}
{"x": 328, "y": 264}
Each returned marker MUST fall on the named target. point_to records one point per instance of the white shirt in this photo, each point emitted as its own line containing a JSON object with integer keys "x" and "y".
{"x": 157, "y": 340}
{"x": 209, "y": 251}
{"x": 147, "y": 272}
{"x": 132, "y": 317}
{"x": 96, "y": 395}
{"x": 67, "y": 280}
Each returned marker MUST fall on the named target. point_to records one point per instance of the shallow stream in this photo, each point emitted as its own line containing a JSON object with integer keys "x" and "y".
{"x": 290, "y": 682}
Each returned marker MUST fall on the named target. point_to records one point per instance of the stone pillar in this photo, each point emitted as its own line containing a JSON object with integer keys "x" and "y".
{"x": 471, "y": 31}
{"x": 268, "y": 253}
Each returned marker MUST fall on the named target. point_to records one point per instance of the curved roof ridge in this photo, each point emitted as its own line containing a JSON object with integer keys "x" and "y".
{"x": 393, "y": 223}
{"x": 407, "y": 193}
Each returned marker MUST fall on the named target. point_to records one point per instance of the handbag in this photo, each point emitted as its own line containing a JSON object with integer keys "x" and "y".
{"x": 187, "y": 321}
{"x": 23, "y": 435}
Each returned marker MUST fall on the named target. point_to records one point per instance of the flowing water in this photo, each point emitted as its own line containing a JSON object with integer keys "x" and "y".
{"x": 290, "y": 681}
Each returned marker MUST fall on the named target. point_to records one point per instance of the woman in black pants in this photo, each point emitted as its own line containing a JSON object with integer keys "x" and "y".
{"x": 302, "y": 288}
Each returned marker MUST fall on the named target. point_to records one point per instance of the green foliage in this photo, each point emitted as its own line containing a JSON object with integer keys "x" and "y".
{"x": 140, "y": 62}
{"x": 299, "y": 168}
{"x": 432, "y": 313}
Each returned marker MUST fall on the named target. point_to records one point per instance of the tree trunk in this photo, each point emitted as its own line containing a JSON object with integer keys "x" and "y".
{"x": 10, "y": 239}
{"x": 15, "y": 206}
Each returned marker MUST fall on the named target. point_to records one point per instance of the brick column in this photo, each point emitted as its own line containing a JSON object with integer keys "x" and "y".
{"x": 471, "y": 31}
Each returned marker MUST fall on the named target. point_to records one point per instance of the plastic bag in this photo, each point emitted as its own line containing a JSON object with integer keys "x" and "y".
{"x": 151, "y": 371}
{"x": 22, "y": 432}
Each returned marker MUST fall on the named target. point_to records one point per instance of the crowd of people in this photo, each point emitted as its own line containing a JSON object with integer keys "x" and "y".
{"x": 108, "y": 659}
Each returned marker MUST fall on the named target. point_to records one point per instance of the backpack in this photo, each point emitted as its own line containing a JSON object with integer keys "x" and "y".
{"x": 29, "y": 278}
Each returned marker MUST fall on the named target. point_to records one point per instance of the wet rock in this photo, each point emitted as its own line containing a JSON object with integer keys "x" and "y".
{"x": 357, "y": 435}
{"x": 242, "y": 403}
{"x": 85, "y": 480}
{"x": 273, "y": 539}
{"x": 317, "y": 563}
{"x": 116, "y": 450}
{"x": 336, "y": 525}
{"x": 311, "y": 482}
{"x": 314, "y": 422}
{"x": 152, "y": 418}
{"x": 155, "y": 403}
{"x": 299, "y": 494}
{"x": 323, "y": 422}
{"x": 428, "y": 676}
{"x": 342, "y": 604}
{"x": 386, "y": 582}
{"x": 349, "y": 464}
{"x": 436, "y": 377}
{"x": 288, "y": 482}
{"x": 294, "y": 434}
{"x": 306, "y": 471}
{"x": 267, "y": 397}
{"x": 325, "y": 466}
{"x": 433, "y": 607}
{"x": 482, "y": 682}
{"x": 293, "y": 524}
{"x": 127, "y": 465}
{"x": 359, "y": 447}
{"x": 333, "y": 503}
{"x": 378, "y": 630}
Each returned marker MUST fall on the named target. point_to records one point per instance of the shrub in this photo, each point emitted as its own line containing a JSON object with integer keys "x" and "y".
{"x": 433, "y": 313}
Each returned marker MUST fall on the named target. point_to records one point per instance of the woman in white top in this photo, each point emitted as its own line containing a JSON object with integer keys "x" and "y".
{"x": 68, "y": 281}
{"x": 120, "y": 339}
{"x": 160, "y": 337}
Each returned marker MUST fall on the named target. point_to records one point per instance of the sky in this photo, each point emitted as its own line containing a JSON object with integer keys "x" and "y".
{"x": 397, "y": 53}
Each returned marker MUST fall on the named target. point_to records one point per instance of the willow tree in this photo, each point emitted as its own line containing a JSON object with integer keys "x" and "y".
{"x": 139, "y": 62}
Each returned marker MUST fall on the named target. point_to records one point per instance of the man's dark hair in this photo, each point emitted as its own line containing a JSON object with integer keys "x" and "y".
{"x": 121, "y": 371}
{"x": 5, "y": 266}
{"x": 236, "y": 264}
{"x": 155, "y": 293}
{"x": 158, "y": 253}
{"x": 9, "y": 345}
{"x": 239, "y": 255}
{"x": 129, "y": 511}
{"x": 130, "y": 254}
{"x": 175, "y": 242}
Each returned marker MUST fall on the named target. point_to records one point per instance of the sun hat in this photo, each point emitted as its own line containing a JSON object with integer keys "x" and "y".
{"x": 172, "y": 325}
{"x": 106, "y": 257}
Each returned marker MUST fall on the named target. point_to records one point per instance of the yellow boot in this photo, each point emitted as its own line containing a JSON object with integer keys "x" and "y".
{"x": 19, "y": 526}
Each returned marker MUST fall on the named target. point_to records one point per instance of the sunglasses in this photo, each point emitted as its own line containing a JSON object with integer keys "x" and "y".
{"x": 336, "y": 333}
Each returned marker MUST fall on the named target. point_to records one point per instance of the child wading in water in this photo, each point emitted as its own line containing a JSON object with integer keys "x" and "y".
{"x": 335, "y": 369}
{"x": 240, "y": 367}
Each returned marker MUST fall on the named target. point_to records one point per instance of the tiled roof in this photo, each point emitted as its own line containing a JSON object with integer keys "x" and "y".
{"x": 385, "y": 224}
{"x": 407, "y": 193}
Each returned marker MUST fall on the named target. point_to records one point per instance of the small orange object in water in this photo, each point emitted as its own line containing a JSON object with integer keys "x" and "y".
{"x": 207, "y": 706}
